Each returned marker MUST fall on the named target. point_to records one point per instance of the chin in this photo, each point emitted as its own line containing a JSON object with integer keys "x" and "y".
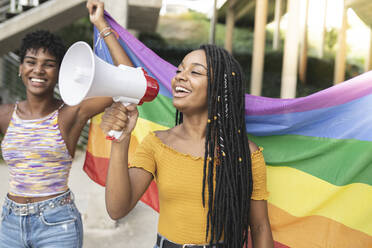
{"x": 41, "y": 93}
{"x": 176, "y": 103}
{"x": 178, "y": 106}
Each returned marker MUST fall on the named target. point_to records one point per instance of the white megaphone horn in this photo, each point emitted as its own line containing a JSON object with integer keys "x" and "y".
{"x": 84, "y": 75}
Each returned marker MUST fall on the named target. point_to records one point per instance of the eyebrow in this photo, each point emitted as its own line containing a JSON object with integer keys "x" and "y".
{"x": 198, "y": 64}
{"x": 47, "y": 60}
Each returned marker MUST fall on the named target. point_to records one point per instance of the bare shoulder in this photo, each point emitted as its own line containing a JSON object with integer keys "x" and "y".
{"x": 6, "y": 111}
{"x": 6, "y": 108}
{"x": 252, "y": 146}
{"x": 167, "y": 136}
{"x": 69, "y": 121}
{"x": 163, "y": 134}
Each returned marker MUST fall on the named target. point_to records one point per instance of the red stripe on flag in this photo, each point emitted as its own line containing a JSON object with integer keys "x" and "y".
{"x": 151, "y": 196}
{"x": 97, "y": 167}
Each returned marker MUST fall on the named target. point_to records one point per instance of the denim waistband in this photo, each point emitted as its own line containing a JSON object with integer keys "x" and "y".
{"x": 38, "y": 207}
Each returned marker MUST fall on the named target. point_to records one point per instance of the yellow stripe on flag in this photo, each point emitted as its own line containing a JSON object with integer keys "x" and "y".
{"x": 301, "y": 194}
{"x": 100, "y": 147}
{"x": 143, "y": 127}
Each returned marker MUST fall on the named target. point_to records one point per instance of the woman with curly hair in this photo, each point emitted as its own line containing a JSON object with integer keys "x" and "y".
{"x": 40, "y": 137}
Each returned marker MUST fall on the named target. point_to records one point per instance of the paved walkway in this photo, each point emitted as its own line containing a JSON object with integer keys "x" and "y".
{"x": 137, "y": 230}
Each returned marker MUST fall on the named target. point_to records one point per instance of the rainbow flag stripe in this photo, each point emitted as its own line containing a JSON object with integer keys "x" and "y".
{"x": 318, "y": 151}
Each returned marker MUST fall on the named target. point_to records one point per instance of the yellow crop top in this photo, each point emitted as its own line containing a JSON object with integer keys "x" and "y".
{"x": 179, "y": 178}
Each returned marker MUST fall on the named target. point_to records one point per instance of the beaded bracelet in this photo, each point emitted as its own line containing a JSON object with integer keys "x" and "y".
{"x": 111, "y": 31}
{"x": 103, "y": 30}
{"x": 103, "y": 34}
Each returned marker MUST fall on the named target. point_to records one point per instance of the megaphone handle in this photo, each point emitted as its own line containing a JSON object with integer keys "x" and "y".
{"x": 115, "y": 135}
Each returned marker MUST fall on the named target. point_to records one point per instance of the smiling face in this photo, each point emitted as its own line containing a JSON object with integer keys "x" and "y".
{"x": 189, "y": 86}
{"x": 39, "y": 72}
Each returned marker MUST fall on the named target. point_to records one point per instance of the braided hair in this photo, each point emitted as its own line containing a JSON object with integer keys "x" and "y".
{"x": 227, "y": 173}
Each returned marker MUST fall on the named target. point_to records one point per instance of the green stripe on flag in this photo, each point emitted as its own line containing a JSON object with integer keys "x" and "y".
{"x": 160, "y": 111}
{"x": 339, "y": 162}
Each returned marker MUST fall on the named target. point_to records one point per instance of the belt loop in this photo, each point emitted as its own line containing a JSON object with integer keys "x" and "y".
{"x": 72, "y": 196}
{"x": 7, "y": 209}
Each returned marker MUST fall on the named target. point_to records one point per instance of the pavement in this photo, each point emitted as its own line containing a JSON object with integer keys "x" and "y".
{"x": 136, "y": 230}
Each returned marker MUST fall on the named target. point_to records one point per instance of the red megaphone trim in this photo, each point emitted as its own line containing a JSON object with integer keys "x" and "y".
{"x": 152, "y": 88}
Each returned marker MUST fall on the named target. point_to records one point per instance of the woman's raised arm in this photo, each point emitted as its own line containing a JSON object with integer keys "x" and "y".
{"x": 124, "y": 187}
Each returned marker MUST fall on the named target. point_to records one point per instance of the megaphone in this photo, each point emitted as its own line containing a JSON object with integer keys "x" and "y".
{"x": 84, "y": 75}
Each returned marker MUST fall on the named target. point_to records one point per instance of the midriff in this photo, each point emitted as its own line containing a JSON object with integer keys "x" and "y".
{"x": 25, "y": 200}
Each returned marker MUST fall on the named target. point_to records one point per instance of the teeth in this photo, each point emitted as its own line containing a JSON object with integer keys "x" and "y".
{"x": 178, "y": 89}
{"x": 38, "y": 80}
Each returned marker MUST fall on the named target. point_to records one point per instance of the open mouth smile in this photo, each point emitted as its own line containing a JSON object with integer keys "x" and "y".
{"x": 180, "y": 91}
{"x": 37, "y": 82}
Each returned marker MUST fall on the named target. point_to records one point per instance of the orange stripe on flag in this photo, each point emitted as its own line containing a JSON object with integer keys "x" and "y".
{"x": 314, "y": 231}
{"x": 98, "y": 145}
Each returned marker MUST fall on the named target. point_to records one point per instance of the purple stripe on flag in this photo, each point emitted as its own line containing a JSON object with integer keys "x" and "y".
{"x": 255, "y": 105}
{"x": 339, "y": 94}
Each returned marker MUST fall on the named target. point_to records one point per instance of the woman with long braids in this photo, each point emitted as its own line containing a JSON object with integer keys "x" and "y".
{"x": 211, "y": 179}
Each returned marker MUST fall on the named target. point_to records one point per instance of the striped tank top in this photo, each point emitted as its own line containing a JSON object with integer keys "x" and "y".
{"x": 36, "y": 154}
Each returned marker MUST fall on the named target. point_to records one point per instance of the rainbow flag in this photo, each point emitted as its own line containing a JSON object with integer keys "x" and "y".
{"x": 318, "y": 151}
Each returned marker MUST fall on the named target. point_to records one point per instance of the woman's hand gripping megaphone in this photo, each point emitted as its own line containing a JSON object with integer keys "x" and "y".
{"x": 119, "y": 120}
{"x": 150, "y": 89}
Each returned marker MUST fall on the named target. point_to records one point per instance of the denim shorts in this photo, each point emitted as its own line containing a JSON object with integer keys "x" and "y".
{"x": 54, "y": 223}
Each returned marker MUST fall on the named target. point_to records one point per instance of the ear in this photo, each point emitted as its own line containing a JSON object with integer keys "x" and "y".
{"x": 20, "y": 68}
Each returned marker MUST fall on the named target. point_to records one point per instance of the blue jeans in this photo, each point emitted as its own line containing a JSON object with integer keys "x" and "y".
{"x": 54, "y": 223}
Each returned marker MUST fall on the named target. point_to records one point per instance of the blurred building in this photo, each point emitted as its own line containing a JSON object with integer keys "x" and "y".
{"x": 175, "y": 9}
{"x": 257, "y": 13}
{"x": 18, "y": 17}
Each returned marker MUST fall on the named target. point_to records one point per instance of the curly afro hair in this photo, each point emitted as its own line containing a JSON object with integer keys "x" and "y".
{"x": 45, "y": 40}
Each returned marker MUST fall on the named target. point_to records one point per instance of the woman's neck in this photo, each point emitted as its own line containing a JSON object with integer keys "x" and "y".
{"x": 38, "y": 107}
{"x": 194, "y": 126}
